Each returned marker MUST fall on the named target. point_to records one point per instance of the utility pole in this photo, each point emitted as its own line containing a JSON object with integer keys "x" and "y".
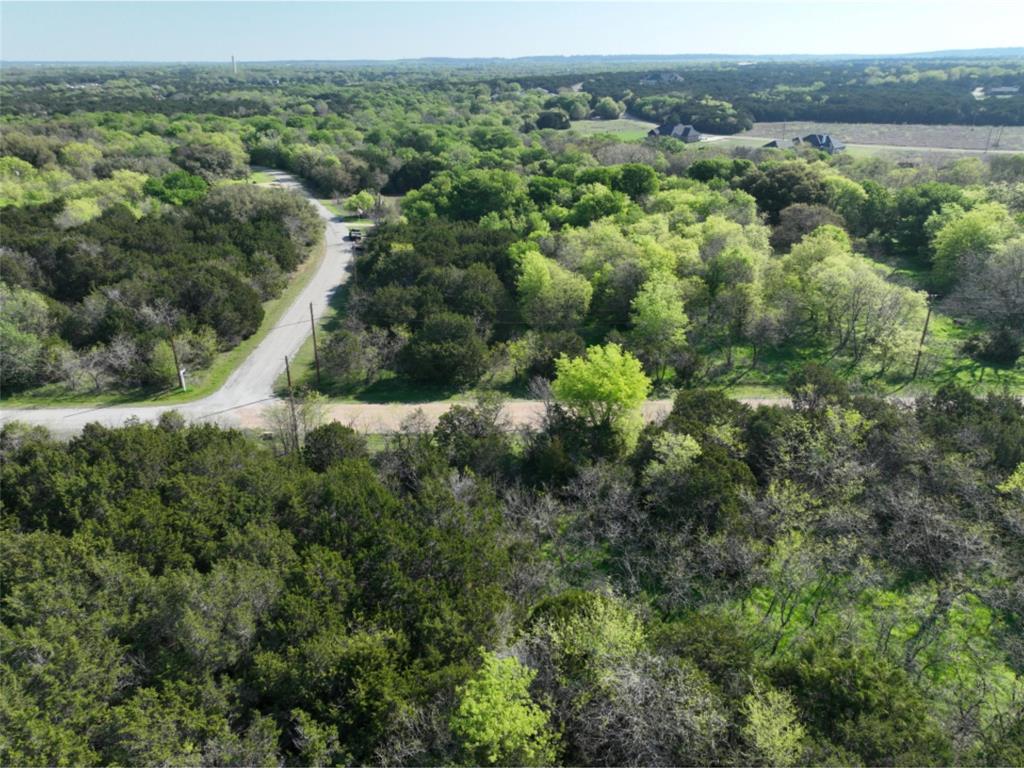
{"x": 177, "y": 365}
{"x": 316, "y": 351}
{"x": 924, "y": 332}
{"x": 291, "y": 403}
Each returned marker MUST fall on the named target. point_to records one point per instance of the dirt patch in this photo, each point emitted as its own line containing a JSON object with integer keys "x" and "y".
{"x": 372, "y": 418}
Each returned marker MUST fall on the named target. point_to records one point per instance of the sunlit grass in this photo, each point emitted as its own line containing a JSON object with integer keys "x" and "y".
{"x": 623, "y": 128}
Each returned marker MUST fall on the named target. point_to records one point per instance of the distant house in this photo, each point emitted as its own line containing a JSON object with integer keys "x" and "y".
{"x": 686, "y": 133}
{"x": 825, "y": 142}
{"x": 783, "y": 143}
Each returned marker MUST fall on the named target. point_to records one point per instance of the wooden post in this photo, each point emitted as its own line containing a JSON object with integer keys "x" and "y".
{"x": 316, "y": 351}
{"x": 177, "y": 365}
{"x": 291, "y": 403}
{"x": 920, "y": 345}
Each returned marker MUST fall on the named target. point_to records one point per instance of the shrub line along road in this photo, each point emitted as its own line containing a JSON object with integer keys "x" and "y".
{"x": 243, "y": 399}
{"x": 250, "y": 387}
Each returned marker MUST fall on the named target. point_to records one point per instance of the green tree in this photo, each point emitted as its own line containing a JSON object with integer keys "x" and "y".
{"x": 213, "y": 156}
{"x": 557, "y": 119}
{"x": 551, "y": 296}
{"x": 177, "y": 188}
{"x": 659, "y": 323}
{"x": 778, "y": 185}
{"x": 470, "y": 195}
{"x": 446, "y": 350}
{"x": 596, "y": 202}
{"x": 25, "y": 324}
{"x": 361, "y": 202}
{"x": 497, "y": 722}
{"x": 959, "y": 235}
{"x": 911, "y": 208}
{"x": 608, "y": 108}
{"x": 606, "y": 387}
{"x": 863, "y": 703}
{"x": 331, "y": 443}
{"x": 636, "y": 180}
{"x": 772, "y": 729}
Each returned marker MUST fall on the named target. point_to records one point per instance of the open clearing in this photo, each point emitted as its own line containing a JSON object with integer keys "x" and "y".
{"x": 624, "y": 127}
{"x": 865, "y": 139}
{"x": 951, "y": 137}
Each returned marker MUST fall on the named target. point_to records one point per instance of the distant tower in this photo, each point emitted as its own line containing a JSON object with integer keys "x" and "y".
{"x": 234, "y": 64}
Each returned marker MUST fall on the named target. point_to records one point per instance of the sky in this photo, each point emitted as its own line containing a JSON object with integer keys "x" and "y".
{"x": 281, "y": 31}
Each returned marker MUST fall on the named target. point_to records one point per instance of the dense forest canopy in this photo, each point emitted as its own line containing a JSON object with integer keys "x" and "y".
{"x": 836, "y": 584}
{"x": 900, "y": 90}
{"x": 505, "y": 239}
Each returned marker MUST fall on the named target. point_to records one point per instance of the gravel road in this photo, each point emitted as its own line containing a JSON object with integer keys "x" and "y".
{"x": 384, "y": 418}
{"x": 243, "y": 399}
{"x": 251, "y": 385}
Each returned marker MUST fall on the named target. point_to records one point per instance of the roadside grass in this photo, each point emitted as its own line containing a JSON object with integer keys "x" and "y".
{"x": 200, "y": 383}
{"x": 255, "y": 177}
{"x": 333, "y": 207}
{"x": 390, "y": 388}
{"x": 347, "y": 217}
{"x": 942, "y": 362}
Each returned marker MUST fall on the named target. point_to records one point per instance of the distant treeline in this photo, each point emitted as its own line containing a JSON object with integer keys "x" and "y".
{"x": 885, "y": 91}
{"x": 895, "y": 90}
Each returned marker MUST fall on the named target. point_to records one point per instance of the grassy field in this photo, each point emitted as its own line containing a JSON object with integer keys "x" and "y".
{"x": 360, "y": 222}
{"x": 260, "y": 177}
{"x": 201, "y": 383}
{"x": 962, "y": 137}
{"x": 625, "y": 128}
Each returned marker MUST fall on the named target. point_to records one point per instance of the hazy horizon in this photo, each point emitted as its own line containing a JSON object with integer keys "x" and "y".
{"x": 209, "y": 32}
{"x": 624, "y": 57}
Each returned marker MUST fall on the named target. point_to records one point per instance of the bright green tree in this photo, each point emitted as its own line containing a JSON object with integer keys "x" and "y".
{"x": 659, "y": 322}
{"x": 606, "y": 387}
{"x": 1015, "y": 482}
{"x": 550, "y": 295}
{"x": 772, "y": 730}
{"x": 596, "y": 202}
{"x": 497, "y": 722}
{"x": 360, "y": 202}
{"x": 959, "y": 234}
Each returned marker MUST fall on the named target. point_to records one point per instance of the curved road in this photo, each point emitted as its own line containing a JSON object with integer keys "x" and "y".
{"x": 251, "y": 385}
{"x": 243, "y": 399}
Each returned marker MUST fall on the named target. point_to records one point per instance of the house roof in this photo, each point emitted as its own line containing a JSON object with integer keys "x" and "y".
{"x": 824, "y": 141}
{"x": 783, "y": 143}
{"x": 677, "y": 131}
